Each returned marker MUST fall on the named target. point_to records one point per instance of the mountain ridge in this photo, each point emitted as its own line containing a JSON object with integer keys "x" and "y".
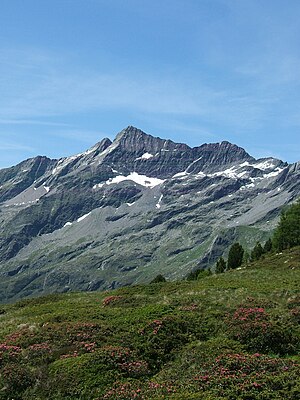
{"x": 125, "y": 209}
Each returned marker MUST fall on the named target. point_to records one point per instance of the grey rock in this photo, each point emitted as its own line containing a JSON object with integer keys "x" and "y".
{"x": 124, "y": 211}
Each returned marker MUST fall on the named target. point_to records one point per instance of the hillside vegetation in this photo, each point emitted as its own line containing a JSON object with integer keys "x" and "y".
{"x": 233, "y": 335}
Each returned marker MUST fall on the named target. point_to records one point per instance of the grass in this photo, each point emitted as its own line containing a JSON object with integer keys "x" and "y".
{"x": 228, "y": 336}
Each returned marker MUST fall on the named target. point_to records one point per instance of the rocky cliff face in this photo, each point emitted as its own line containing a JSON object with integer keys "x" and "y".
{"x": 126, "y": 210}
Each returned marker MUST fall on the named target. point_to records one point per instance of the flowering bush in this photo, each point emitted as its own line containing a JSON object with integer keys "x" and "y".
{"x": 160, "y": 337}
{"x": 124, "y": 360}
{"x": 9, "y": 353}
{"x": 39, "y": 353}
{"x": 23, "y": 337}
{"x": 243, "y": 375}
{"x": 124, "y": 391}
{"x": 15, "y": 378}
{"x": 255, "y": 328}
{"x": 111, "y": 300}
{"x": 139, "y": 391}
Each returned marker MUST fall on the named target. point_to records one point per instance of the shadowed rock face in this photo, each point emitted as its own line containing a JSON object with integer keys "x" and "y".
{"x": 124, "y": 211}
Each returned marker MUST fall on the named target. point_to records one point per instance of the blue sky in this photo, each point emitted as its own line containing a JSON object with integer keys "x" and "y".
{"x": 195, "y": 71}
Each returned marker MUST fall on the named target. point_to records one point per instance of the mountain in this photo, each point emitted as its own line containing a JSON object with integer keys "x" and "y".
{"x": 124, "y": 211}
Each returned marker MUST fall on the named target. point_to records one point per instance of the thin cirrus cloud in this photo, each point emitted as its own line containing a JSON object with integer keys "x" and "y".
{"x": 41, "y": 87}
{"x": 31, "y": 122}
{"x": 14, "y": 147}
{"x": 62, "y": 93}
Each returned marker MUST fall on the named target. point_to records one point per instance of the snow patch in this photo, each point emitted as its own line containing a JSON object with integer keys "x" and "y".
{"x": 23, "y": 203}
{"x": 274, "y": 173}
{"x": 67, "y": 224}
{"x": 145, "y": 156}
{"x": 245, "y": 164}
{"x": 159, "y": 201}
{"x": 83, "y": 217}
{"x": 267, "y": 164}
{"x": 98, "y": 186}
{"x": 234, "y": 171}
{"x": 180, "y": 174}
{"x": 263, "y": 165}
{"x": 228, "y": 173}
{"x": 130, "y": 204}
{"x": 137, "y": 178}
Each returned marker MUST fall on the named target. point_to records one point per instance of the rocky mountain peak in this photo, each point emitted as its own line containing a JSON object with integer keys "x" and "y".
{"x": 110, "y": 215}
{"x": 131, "y": 131}
{"x": 136, "y": 141}
{"x": 103, "y": 144}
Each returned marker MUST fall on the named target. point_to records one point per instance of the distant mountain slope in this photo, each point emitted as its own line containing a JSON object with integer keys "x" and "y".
{"x": 125, "y": 210}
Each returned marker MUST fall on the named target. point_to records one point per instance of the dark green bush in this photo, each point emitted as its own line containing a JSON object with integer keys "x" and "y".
{"x": 158, "y": 279}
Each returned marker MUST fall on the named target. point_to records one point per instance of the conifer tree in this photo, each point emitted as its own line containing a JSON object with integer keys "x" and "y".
{"x": 287, "y": 233}
{"x": 220, "y": 266}
{"x": 268, "y": 246}
{"x": 235, "y": 256}
{"x": 257, "y": 252}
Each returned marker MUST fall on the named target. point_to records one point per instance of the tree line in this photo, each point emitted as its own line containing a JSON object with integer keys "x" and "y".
{"x": 286, "y": 235}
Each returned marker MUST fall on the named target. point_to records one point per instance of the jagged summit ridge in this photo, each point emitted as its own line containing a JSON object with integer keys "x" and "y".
{"x": 134, "y": 150}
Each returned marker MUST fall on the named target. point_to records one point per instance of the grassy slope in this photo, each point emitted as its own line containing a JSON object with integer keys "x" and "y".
{"x": 229, "y": 336}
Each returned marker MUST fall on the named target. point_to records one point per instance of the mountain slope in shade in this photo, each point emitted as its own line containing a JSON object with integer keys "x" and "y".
{"x": 124, "y": 211}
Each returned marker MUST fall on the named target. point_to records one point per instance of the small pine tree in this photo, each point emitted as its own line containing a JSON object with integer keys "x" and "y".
{"x": 268, "y": 246}
{"x": 235, "y": 256}
{"x": 220, "y": 266}
{"x": 257, "y": 252}
{"x": 287, "y": 233}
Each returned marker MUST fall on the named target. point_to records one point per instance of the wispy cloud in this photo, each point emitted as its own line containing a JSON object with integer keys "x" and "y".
{"x": 38, "y": 87}
{"x": 10, "y": 146}
{"x": 31, "y": 122}
{"x": 41, "y": 87}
